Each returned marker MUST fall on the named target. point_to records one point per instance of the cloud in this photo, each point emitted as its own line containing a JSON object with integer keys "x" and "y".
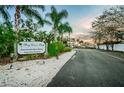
{"x": 83, "y": 26}
{"x": 85, "y": 23}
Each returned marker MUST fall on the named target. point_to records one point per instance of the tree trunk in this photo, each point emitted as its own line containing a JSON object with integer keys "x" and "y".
{"x": 98, "y": 46}
{"x": 17, "y": 20}
{"x": 112, "y": 46}
{"x": 55, "y": 34}
{"x": 107, "y": 47}
{"x": 69, "y": 40}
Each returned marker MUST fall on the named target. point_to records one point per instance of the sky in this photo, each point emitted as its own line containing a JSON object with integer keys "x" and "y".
{"x": 80, "y": 18}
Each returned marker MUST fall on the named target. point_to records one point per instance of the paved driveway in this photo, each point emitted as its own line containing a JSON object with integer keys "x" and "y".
{"x": 90, "y": 68}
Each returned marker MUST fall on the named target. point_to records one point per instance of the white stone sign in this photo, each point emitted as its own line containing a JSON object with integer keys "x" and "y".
{"x": 31, "y": 47}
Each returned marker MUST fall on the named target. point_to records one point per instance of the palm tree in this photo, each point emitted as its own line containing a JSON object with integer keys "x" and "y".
{"x": 61, "y": 29}
{"x": 41, "y": 36}
{"x": 4, "y": 13}
{"x": 28, "y": 11}
{"x": 69, "y": 30}
{"x": 56, "y": 18}
{"x": 64, "y": 28}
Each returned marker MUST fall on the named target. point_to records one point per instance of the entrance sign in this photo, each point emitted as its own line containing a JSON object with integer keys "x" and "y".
{"x": 31, "y": 47}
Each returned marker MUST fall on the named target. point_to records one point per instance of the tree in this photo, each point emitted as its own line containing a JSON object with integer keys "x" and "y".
{"x": 41, "y": 36}
{"x": 68, "y": 30}
{"x": 4, "y": 12}
{"x": 64, "y": 28}
{"x": 28, "y": 11}
{"x": 97, "y": 36}
{"x": 61, "y": 30}
{"x": 107, "y": 25}
{"x": 28, "y": 30}
{"x": 56, "y": 18}
{"x": 7, "y": 39}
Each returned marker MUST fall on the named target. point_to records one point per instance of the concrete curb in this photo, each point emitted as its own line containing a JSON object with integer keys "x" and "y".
{"x": 72, "y": 56}
{"x": 62, "y": 67}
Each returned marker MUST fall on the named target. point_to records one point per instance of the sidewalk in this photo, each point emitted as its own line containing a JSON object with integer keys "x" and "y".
{"x": 32, "y": 73}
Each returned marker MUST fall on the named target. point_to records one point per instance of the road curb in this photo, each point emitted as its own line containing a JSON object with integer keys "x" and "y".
{"x": 72, "y": 56}
{"x": 61, "y": 67}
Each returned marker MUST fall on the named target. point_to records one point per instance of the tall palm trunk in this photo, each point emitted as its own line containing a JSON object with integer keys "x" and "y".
{"x": 55, "y": 34}
{"x": 98, "y": 46}
{"x": 69, "y": 40}
{"x": 17, "y": 21}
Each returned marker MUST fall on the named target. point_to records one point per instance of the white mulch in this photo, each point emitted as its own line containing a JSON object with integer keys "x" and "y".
{"x": 32, "y": 73}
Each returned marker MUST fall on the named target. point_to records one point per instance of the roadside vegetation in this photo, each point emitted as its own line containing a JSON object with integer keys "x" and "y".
{"x": 27, "y": 26}
{"x": 114, "y": 53}
{"x": 108, "y": 28}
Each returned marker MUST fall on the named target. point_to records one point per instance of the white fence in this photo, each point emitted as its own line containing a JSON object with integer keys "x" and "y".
{"x": 117, "y": 47}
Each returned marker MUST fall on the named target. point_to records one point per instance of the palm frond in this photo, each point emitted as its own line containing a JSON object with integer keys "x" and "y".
{"x": 37, "y": 7}
{"x": 63, "y": 14}
{"x": 47, "y": 22}
{"x": 4, "y": 13}
{"x": 33, "y": 13}
{"x": 53, "y": 9}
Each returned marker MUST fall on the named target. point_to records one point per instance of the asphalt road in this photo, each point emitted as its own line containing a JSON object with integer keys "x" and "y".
{"x": 90, "y": 68}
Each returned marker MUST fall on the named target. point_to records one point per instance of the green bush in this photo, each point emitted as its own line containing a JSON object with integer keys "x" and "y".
{"x": 52, "y": 49}
{"x": 67, "y": 49}
{"x": 7, "y": 39}
{"x": 60, "y": 46}
{"x": 55, "y": 48}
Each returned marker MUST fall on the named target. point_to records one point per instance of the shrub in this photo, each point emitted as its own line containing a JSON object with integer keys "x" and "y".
{"x": 7, "y": 39}
{"x": 67, "y": 49}
{"x": 60, "y": 46}
{"x": 52, "y": 49}
{"x": 55, "y": 48}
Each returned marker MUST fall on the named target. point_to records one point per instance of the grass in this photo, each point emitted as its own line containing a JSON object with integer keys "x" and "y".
{"x": 115, "y": 53}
